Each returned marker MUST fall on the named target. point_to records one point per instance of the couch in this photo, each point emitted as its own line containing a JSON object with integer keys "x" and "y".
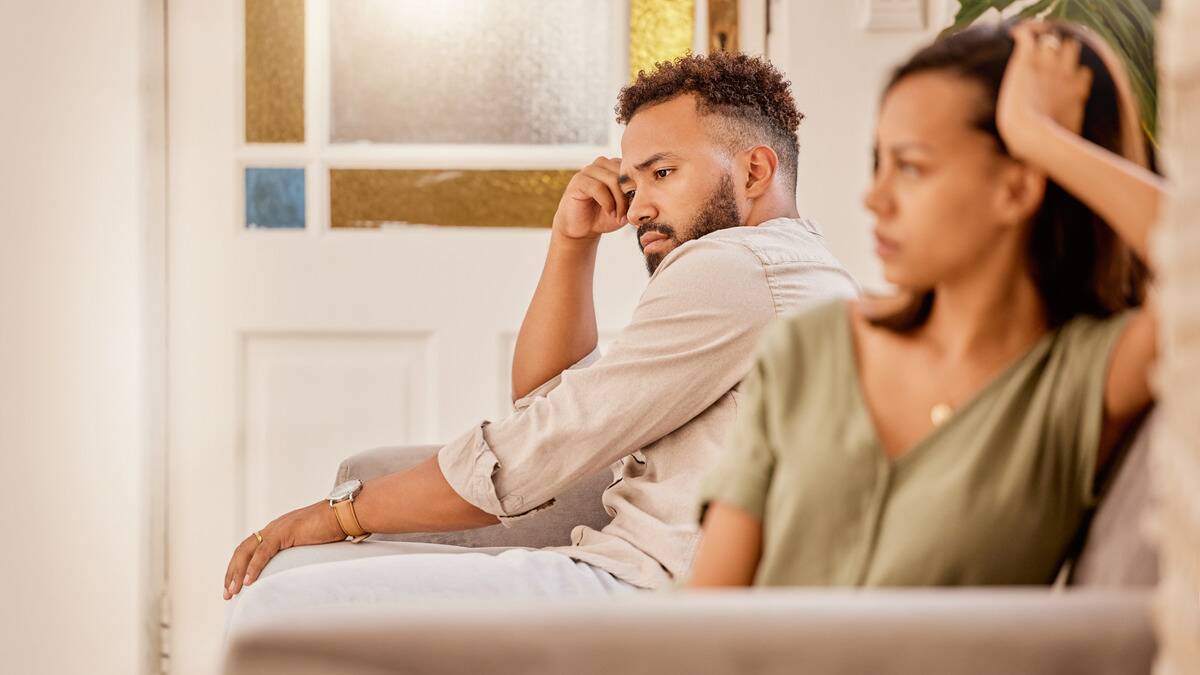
{"x": 1095, "y": 620}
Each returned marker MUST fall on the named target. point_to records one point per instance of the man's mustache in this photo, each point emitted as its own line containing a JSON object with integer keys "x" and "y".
{"x": 655, "y": 227}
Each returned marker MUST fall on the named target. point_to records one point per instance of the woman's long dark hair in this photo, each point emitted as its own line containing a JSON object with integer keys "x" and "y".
{"x": 1078, "y": 263}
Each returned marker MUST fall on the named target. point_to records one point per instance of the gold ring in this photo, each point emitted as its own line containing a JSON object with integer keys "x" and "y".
{"x": 1050, "y": 41}
{"x": 258, "y": 537}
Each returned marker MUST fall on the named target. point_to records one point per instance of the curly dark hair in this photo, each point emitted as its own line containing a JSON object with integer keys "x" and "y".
{"x": 749, "y": 92}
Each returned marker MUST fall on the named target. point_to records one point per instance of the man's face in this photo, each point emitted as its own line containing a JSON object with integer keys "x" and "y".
{"x": 676, "y": 177}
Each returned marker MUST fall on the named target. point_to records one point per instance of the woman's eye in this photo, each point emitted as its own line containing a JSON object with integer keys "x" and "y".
{"x": 629, "y": 194}
{"x": 908, "y": 169}
{"x": 663, "y": 173}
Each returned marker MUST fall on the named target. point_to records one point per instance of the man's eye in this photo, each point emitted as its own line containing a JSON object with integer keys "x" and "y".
{"x": 663, "y": 173}
{"x": 629, "y": 194}
{"x": 908, "y": 168}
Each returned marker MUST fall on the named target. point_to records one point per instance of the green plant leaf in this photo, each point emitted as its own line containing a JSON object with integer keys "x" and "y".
{"x": 1126, "y": 25}
{"x": 1131, "y": 36}
{"x": 1035, "y": 9}
{"x": 970, "y": 10}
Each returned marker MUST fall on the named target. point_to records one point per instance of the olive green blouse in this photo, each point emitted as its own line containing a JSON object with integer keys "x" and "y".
{"x": 994, "y": 495}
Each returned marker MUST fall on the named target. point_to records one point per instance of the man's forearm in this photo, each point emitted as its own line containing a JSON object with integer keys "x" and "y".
{"x": 560, "y": 325}
{"x": 416, "y": 500}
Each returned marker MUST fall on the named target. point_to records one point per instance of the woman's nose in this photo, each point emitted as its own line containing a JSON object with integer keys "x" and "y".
{"x": 875, "y": 198}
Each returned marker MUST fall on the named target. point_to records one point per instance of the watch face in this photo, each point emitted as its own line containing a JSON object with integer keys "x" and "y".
{"x": 345, "y": 490}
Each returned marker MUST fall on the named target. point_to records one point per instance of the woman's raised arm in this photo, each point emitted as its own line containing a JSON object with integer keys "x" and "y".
{"x": 1039, "y": 115}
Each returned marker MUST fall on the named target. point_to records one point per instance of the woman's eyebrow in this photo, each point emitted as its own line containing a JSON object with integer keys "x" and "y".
{"x": 897, "y": 148}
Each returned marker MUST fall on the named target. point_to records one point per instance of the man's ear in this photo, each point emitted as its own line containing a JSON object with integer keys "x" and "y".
{"x": 762, "y": 163}
{"x": 1021, "y": 192}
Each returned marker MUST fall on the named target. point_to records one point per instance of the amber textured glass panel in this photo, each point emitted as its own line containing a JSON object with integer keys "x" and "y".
{"x": 472, "y": 71}
{"x": 370, "y": 198}
{"x": 274, "y": 71}
{"x": 659, "y": 30}
{"x": 722, "y": 26}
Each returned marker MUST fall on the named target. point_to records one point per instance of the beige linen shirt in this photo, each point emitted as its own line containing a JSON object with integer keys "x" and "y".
{"x": 657, "y": 406}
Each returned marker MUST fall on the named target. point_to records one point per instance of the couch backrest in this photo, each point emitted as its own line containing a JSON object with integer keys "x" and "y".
{"x": 1115, "y": 551}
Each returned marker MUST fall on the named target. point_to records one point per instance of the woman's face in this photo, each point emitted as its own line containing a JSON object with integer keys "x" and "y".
{"x": 939, "y": 191}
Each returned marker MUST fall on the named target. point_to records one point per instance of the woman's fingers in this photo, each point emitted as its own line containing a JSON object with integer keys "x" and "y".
{"x": 1024, "y": 35}
{"x": 1083, "y": 79}
{"x": 1044, "y": 79}
{"x": 1069, "y": 54}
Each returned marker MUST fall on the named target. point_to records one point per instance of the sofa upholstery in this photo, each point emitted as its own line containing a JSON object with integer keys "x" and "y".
{"x": 1115, "y": 551}
{"x": 1100, "y": 625}
{"x": 910, "y": 632}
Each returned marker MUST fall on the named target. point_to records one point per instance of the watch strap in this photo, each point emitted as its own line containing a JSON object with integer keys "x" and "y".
{"x": 344, "y": 511}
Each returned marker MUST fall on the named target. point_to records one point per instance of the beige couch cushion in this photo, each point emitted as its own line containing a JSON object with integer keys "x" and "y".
{"x": 982, "y": 632}
{"x": 1116, "y": 552}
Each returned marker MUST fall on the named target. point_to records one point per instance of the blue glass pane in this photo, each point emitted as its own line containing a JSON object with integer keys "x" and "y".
{"x": 275, "y": 198}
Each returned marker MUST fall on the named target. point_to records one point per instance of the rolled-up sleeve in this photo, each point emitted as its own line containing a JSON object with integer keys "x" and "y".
{"x": 546, "y": 387}
{"x": 691, "y": 339}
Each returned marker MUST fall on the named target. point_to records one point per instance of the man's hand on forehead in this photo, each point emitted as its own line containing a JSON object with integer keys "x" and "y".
{"x": 593, "y": 203}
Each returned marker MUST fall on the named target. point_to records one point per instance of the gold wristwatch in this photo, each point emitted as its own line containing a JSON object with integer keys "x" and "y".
{"x": 341, "y": 500}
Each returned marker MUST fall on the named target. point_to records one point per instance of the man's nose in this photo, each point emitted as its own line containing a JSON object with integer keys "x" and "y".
{"x": 641, "y": 211}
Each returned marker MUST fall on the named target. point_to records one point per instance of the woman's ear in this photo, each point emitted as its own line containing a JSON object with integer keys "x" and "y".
{"x": 762, "y": 163}
{"x": 1022, "y": 189}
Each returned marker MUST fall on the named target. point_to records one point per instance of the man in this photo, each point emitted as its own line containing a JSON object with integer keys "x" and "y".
{"x": 708, "y": 177}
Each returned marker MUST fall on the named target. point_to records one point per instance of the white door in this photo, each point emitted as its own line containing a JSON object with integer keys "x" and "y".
{"x": 291, "y": 348}
{"x": 838, "y": 55}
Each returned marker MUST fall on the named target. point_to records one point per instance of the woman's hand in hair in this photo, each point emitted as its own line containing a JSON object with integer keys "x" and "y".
{"x": 1043, "y": 84}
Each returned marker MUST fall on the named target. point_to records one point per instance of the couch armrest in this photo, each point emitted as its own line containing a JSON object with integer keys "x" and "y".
{"x": 378, "y": 462}
{"x": 897, "y": 632}
{"x": 579, "y": 505}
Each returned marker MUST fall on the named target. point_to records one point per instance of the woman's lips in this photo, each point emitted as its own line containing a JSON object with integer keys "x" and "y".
{"x": 884, "y": 247}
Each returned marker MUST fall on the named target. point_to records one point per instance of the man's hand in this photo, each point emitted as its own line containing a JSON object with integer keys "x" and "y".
{"x": 313, "y": 524}
{"x": 560, "y": 325}
{"x": 593, "y": 203}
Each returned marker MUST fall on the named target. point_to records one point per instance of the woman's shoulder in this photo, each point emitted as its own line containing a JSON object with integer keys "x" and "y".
{"x": 1085, "y": 333}
{"x": 838, "y": 316}
{"x": 818, "y": 315}
{"x": 811, "y": 326}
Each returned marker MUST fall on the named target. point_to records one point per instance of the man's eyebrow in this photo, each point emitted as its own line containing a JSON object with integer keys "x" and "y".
{"x": 656, "y": 157}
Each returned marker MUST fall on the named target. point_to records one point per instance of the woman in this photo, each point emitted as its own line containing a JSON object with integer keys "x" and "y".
{"x": 953, "y": 435}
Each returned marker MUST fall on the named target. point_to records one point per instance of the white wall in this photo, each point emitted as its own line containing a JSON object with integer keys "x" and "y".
{"x": 837, "y": 69}
{"x": 81, "y": 320}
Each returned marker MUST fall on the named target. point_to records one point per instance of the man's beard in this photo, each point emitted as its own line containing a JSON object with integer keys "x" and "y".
{"x": 718, "y": 213}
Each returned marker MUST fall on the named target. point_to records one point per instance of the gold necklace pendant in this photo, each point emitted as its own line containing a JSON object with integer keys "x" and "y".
{"x": 940, "y": 413}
